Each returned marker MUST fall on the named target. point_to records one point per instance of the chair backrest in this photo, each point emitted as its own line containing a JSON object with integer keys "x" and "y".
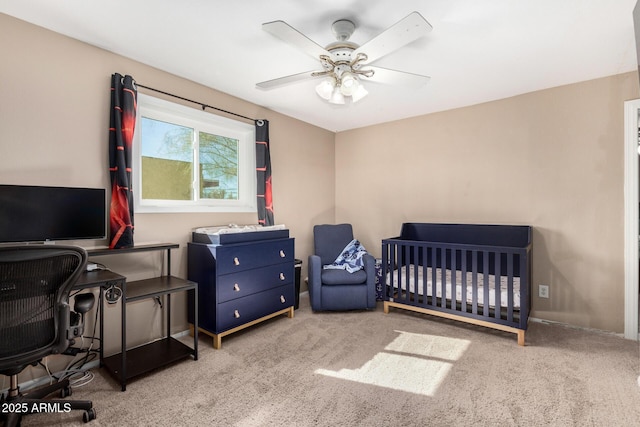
{"x": 329, "y": 240}
{"x": 35, "y": 281}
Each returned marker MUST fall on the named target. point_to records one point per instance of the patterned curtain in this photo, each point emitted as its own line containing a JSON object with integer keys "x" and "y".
{"x": 121, "y": 126}
{"x": 263, "y": 173}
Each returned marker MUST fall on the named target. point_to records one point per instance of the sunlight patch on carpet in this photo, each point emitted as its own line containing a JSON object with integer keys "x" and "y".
{"x": 415, "y": 363}
{"x": 431, "y": 346}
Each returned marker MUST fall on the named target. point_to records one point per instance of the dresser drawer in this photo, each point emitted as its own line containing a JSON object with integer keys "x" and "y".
{"x": 246, "y": 309}
{"x": 234, "y": 258}
{"x": 237, "y": 285}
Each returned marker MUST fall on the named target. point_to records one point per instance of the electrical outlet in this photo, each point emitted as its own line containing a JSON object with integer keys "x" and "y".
{"x": 543, "y": 291}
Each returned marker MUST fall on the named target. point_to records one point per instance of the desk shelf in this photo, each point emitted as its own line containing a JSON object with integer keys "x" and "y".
{"x": 130, "y": 363}
{"x": 136, "y": 248}
{"x": 146, "y": 358}
{"x": 157, "y": 286}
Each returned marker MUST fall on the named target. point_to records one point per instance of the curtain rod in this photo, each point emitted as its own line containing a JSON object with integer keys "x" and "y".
{"x": 195, "y": 102}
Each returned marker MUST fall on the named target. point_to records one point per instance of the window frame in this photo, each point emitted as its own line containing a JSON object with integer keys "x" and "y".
{"x": 201, "y": 121}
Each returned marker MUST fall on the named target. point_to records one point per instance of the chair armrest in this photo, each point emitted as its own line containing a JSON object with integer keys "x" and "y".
{"x": 315, "y": 281}
{"x": 370, "y": 269}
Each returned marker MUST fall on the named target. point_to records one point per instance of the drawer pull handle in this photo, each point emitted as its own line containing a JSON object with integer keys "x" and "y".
{"x": 282, "y": 299}
{"x": 282, "y": 254}
{"x": 236, "y": 261}
{"x": 281, "y": 276}
{"x": 236, "y": 287}
{"x": 236, "y": 314}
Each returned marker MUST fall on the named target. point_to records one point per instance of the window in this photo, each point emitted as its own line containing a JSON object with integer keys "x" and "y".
{"x": 187, "y": 160}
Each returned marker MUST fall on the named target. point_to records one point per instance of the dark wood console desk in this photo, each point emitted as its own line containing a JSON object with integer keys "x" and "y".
{"x": 130, "y": 363}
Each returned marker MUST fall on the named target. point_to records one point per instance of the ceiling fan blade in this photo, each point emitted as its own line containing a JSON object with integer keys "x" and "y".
{"x": 395, "y": 77}
{"x": 287, "y": 33}
{"x": 281, "y": 81}
{"x": 410, "y": 28}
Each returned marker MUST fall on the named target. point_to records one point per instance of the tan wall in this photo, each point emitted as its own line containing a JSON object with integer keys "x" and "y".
{"x": 54, "y": 119}
{"x": 552, "y": 159}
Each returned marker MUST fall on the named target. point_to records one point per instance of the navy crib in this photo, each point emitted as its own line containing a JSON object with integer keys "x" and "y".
{"x": 475, "y": 273}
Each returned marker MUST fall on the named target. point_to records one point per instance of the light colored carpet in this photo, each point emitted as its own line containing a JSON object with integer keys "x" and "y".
{"x": 371, "y": 369}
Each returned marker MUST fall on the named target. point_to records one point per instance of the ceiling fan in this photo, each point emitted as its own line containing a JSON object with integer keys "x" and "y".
{"x": 344, "y": 64}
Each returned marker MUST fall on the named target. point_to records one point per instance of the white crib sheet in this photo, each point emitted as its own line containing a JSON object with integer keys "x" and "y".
{"x": 458, "y": 285}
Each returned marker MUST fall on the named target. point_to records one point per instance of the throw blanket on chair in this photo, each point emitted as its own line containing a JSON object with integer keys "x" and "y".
{"x": 350, "y": 259}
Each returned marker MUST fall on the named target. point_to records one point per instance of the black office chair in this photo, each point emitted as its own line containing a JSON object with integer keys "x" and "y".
{"x": 35, "y": 321}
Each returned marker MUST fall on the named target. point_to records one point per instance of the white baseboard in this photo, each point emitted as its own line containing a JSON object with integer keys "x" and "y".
{"x": 37, "y": 382}
{"x": 581, "y": 328}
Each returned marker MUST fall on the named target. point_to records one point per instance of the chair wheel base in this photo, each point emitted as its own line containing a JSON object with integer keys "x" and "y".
{"x": 89, "y": 415}
{"x": 66, "y": 392}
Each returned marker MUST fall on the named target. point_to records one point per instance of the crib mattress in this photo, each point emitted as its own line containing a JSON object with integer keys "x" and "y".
{"x": 410, "y": 279}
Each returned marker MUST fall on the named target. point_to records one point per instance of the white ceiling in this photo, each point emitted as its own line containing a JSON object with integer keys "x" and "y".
{"x": 478, "y": 51}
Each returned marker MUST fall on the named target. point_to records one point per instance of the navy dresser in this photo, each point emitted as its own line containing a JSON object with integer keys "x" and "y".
{"x": 242, "y": 278}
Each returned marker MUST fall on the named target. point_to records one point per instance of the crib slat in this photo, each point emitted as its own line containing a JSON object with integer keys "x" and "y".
{"x": 525, "y": 288}
{"x": 434, "y": 264}
{"x": 485, "y": 283}
{"x": 443, "y": 277}
{"x": 497, "y": 286}
{"x": 406, "y": 262}
{"x": 414, "y": 262}
{"x": 385, "y": 271}
{"x": 474, "y": 282}
{"x": 454, "y": 279}
{"x": 425, "y": 276}
{"x": 393, "y": 265}
{"x": 463, "y": 279}
{"x": 510, "y": 301}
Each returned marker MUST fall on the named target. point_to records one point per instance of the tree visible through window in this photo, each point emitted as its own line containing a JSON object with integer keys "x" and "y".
{"x": 218, "y": 167}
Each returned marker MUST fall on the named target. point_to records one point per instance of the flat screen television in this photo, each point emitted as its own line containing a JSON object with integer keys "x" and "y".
{"x": 31, "y": 213}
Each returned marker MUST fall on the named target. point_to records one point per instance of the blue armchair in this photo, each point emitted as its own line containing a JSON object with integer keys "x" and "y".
{"x": 332, "y": 289}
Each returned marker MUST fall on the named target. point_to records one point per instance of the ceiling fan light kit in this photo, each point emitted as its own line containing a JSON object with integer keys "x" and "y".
{"x": 359, "y": 93}
{"x": 336, "y": 87}
{"x": 337, "y": 97}
{"x": 348, "y": 83}
{"x": 340, "y": 86}
{"x": 325, "y": 88}
{"x": 342, "y": 61}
